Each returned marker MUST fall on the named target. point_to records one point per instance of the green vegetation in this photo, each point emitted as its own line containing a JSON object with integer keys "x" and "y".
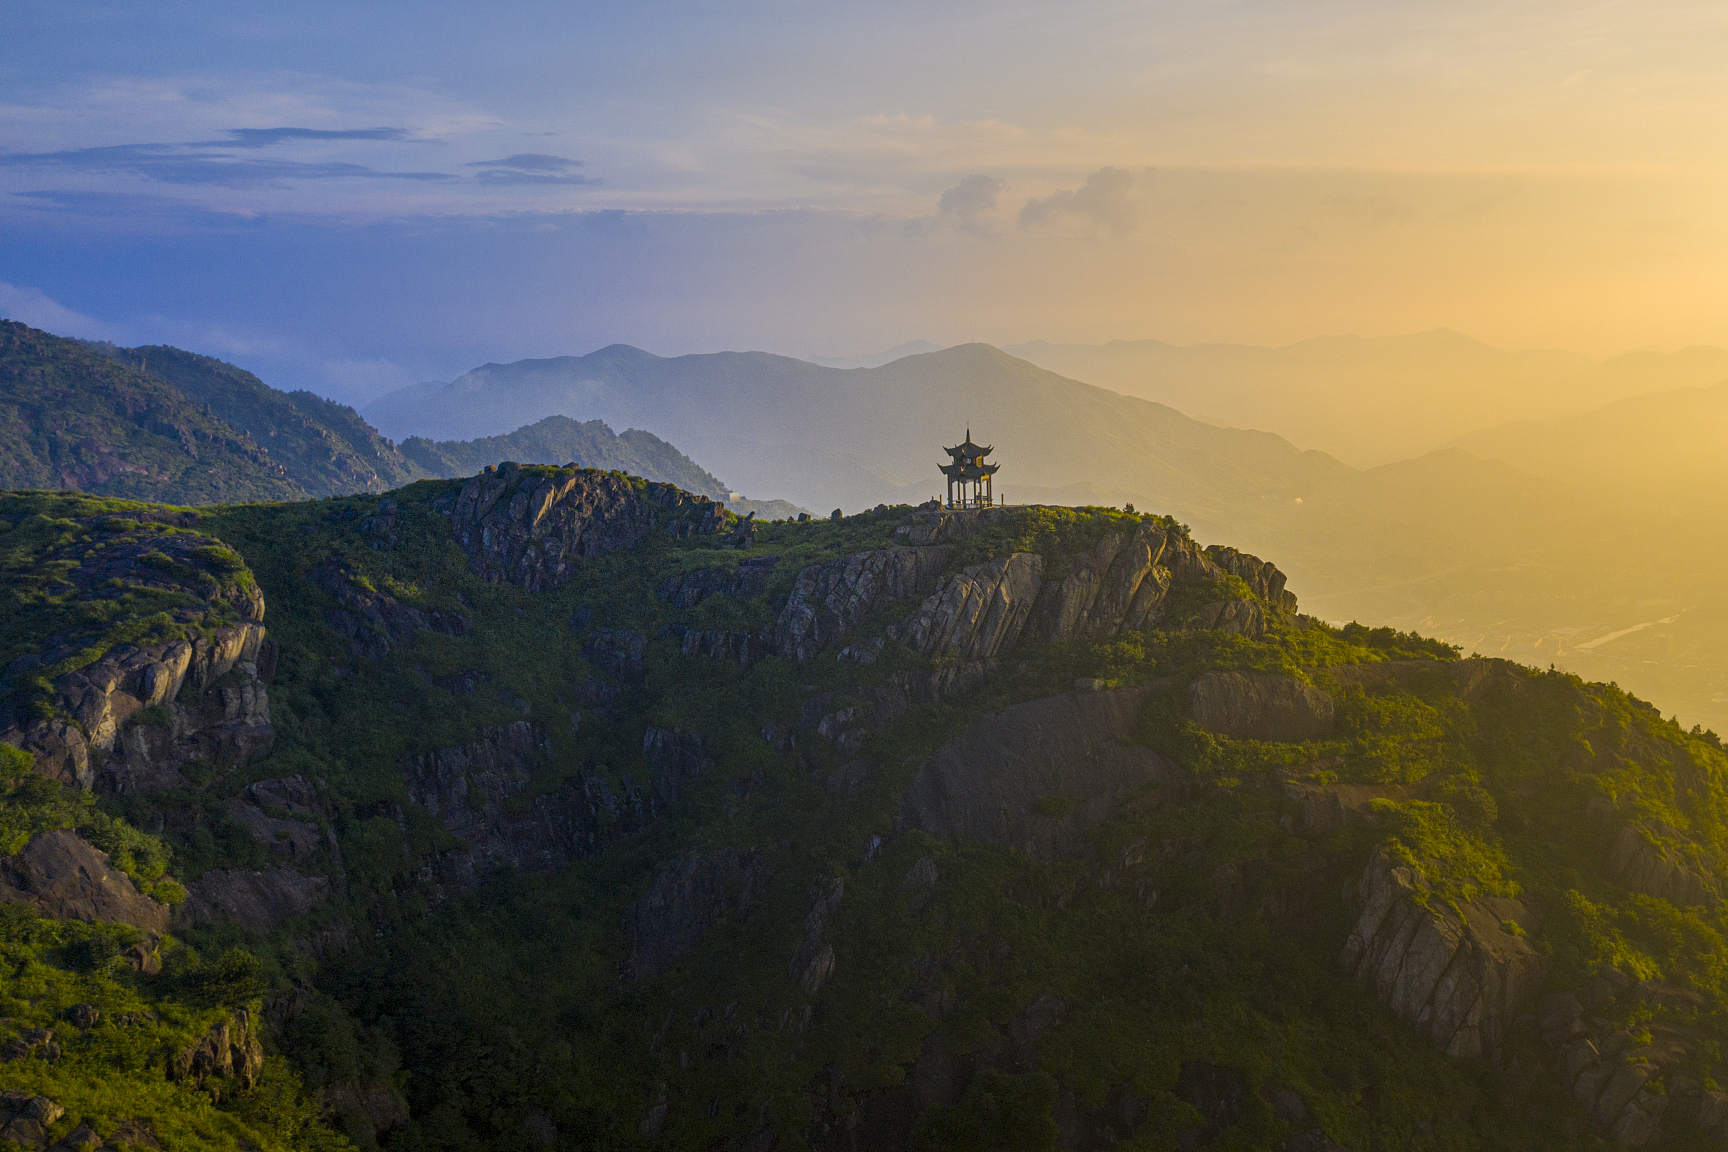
{"x": 1204, "y": 929}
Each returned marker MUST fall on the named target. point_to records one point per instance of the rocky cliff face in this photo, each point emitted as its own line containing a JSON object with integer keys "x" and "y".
{"x": 64, "y": 878}
{"x": 476, "y": 791}
{"x": 1260, "y": 575}
{"x": 979, "y": 614}
{"x": 528, "y": 526}
{"x": 832, "y": 598}
{"x": 1039, "y": 775}
{"x": 232, "y": 1047}
{"x": 1259, "y": 706}
{"x": 1456, "y": 975}
{"x": 198, "y": 678}
{"x": 686, "y": 899}
{"x": 1113, "y": 586}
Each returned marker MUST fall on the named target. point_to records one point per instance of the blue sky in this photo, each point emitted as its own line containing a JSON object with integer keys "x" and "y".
{"x": 354, "y": 197}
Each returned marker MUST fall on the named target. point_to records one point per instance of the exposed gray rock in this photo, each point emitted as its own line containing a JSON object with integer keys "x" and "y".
{"x": 1243, "y": 617}
{"x": 283, "y": 815}
{"x": 1646, "y": 864}
{"x": 1039, "y": 775}
{"x": 1114, "y": 586}
{"x": 257, "y": 900}
{"x": 231, "y": 1047}
{"x": 206, "y": 699}
{"x": 1459, "y": 980}
{"x": 64, "y": 878}
{"x": 1259, "y": 706}
{"x": 830, "y": 599}
{"x": 686, "y": 899}
{"x": 1260, "y": 575}
{"x": 529, "y": 526}
{"x": 979, "y": 614}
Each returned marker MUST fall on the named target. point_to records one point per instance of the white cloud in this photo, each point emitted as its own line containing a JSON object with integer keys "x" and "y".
{"x": 33, "y": 307}
{"x": 1106, "y": 201}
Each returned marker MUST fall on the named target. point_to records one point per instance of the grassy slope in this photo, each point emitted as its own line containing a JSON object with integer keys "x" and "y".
{"x": 494, "y": 1006}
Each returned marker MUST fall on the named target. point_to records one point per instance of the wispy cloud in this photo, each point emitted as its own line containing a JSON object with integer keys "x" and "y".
{"x": 1106, "y": 200}
{"x": 530, "y": 168}
{"x": 34, "y": 307}
{"x": 264, "y": 137}
{"x": 207, "y": 164}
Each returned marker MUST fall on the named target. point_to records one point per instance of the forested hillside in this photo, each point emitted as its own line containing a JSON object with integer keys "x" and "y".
{"x": 556, "y": 809}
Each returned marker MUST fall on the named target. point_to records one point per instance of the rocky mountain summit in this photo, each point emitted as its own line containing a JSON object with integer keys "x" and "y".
{"x": 562, "y": 809}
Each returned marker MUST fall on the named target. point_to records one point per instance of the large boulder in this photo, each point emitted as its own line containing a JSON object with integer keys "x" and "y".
{"x": 65, "y": 878}
{"x": 1458, "y": 975}
{"x": 979, "y": 614}
{"x": 830, "y": 599}
{"x": 529, "y": 526}
{"x": 686, "y": 899}
{"x": 1259, "y": 706}
{"x": 1038, "y": 775}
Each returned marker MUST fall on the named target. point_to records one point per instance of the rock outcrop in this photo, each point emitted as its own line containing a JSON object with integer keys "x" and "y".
{"x": 1260, "y": 575}
{"x": 259, "y": 900}
{"x": 830, "y": 599}
{"x": 1039, "y": 775}
{"x": 674, "y": 756}
{"x": 232, "y": 1048}
{"x": 528, "y": 526}
{"x": 24, "y": 1118}
{"x": 686, "y": 900}
{"x": 205, "y": 700}
{"x": 286, "y": 816}
{"x": 1656, "y": 868}
{"x": 65, "y": 878}
{"x": 1259, "y": 706}
{"x": 1113, "y": 586}
{"x": 196, "y": 676}
{"x": 375, "y": 622}
{"x": 1243, "y": 617}
{"x": 749, "y": 579}
{"x": 979, "y": 614}
{"x": 1457, "y": 976}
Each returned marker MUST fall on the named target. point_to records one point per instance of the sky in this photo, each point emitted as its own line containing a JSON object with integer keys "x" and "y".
{"x": 354, "y": 197}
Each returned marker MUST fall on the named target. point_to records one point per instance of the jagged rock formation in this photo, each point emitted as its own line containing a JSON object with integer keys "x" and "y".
{"x": 1259, "y": 706}
{"x": 1260, "y": 575}
{"x": 979, "y": 614}
{"x": 1456, "y": 975}
{"x": 24, "y": 1119}
{"x": 527, "y": 526}
{"x": 686, "y": 899}
{"x": 375, "y": 622}
{"x": 231, "y": 1048}
{"x": 197, "y": 679}
{"x": 298, "y": 837}
{"x": 1243, "y": 617}
{"x": 225, "y": 720}
{"x": 65, "y": 878}
{"x": 1115, "y": 585}
{"x": 830, "y": 599}
{"x": 1040, "y": 774}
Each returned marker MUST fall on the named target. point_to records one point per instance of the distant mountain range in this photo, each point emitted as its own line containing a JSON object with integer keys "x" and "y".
{"x": 1373, "y": 400}
{"x": 161, "y": 423}
{"x": 1479, "y": 551}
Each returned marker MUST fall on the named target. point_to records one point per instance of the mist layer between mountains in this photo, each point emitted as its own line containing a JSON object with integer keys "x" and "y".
{"x": 1478, "y": 551}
